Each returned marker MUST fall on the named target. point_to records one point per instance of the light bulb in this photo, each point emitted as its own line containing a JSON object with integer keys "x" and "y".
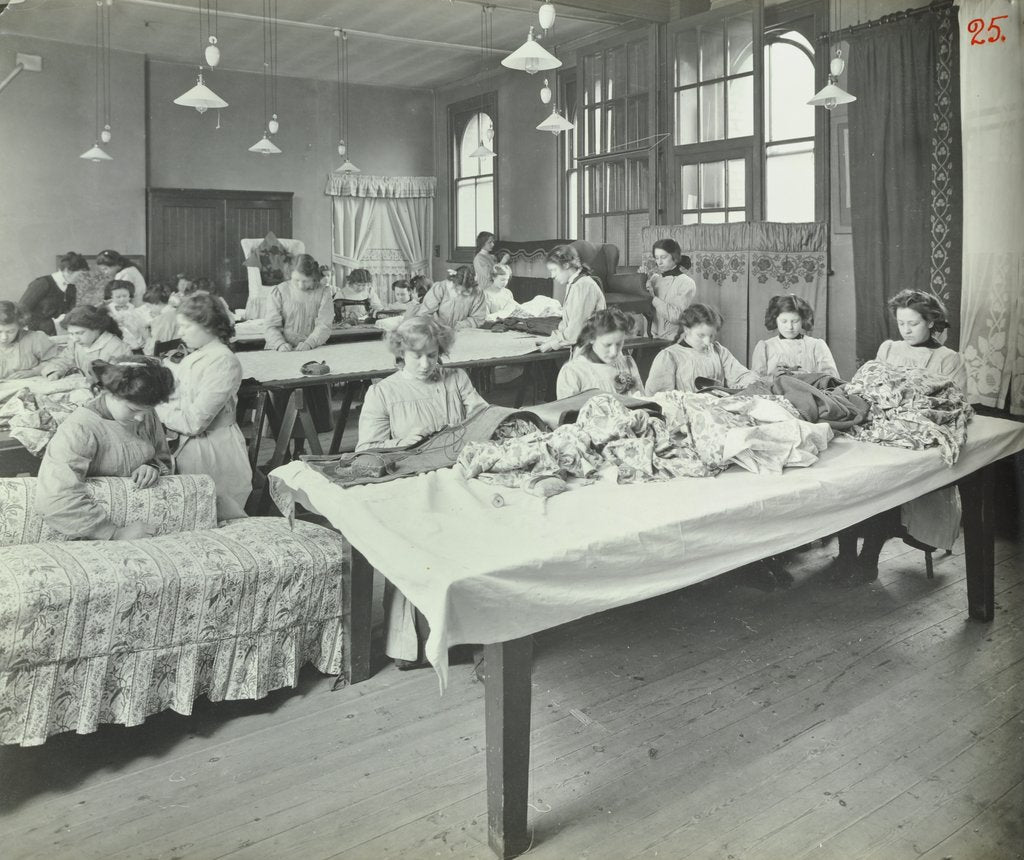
{"x": 212, "y": 53}
{"x": 342, "y": 148}
{"x": 545, "y": 92}
{"x": 105, "y": 135}
{"x": 547, "y": 15}
{"x": 532, "y": 66}
{"x": 273, "y": 126}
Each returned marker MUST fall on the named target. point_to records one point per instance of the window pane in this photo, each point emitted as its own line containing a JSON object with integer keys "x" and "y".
{"x": 686, "y": 117}
{"x": 712, "y": 185}
{"x": 736, "y": 215}
{"x": 712, "y": 112}
{"x": 615, "y": 73}
{"x": 741, "y": 106}
{"x": 595, "y": 134}
{"x": 789, "y": 83}
{"x": 688, "y": 186}
{"x": 789, "y": 182}
{"x": 712, "y": 52}
{"x": 636, "y": 248}
{"x": 615, "y": 232}
{"x": 712, "y": 217}
{"x": 638, "y": 68}
{"x": 690, "y": 218}
{"x": 686, "y": 58}
{"x": 474, "y": 134}
{"x": 594, "y": 201}
{"x": 615, "y": 118}
{"x": 484, "y": 206}
{"x": 737, "y": 182}
{"x": 572, "y": 207}
{"x": 740, "y": 34}
{"x": 593, "y": 76}
{"x": 638, "y": 174}
{"x": 465, "y": 208}
{"x": 616, "y": 173}
{"x": 593, "y": 230}
{"x": 636, "y": 128}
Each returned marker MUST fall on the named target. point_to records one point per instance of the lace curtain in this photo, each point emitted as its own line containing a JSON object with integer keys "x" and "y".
{"x": 739, "y": 267}
{"x": 384, "y": 224}
{"x": 992, "y": 320}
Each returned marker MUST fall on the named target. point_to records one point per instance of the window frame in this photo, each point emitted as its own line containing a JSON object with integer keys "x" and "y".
{"x": 754, "y": 147}
{"x": 459, "y": 115}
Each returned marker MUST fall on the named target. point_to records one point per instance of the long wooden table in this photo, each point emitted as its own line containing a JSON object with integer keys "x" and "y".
{"x": 294, "y": 411}
{"x": 463, "y": 584}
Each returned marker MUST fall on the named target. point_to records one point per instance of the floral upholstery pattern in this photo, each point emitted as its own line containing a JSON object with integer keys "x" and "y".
{"x": 911, "y": 408}
{"x": 96, "y": 632}
{"x": 176, "y": 503}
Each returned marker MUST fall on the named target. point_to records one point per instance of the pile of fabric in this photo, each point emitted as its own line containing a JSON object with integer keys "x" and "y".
{"x": 696, "y": 436}
{"x": 33, "y": 413}
{"x": 911, "y": 408}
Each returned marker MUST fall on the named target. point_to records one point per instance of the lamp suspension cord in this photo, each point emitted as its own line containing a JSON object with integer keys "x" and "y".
{"x": 266, "y": 37}
{"x": 99, "y": 13}
{"x": 107, "y": 100}
{"x": 337, "y": 48}
{"x": 344, "y": 62}
{"x": 273, "y": 60}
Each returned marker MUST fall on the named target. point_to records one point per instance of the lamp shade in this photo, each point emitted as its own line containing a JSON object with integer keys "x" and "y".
{"x": 95, "y": 154}
{"x": 482, "y": 151}
{"x": 200, "y": 97}
{"x": 265, "y": 146}
{"x": 347, "y": 167}
{"x": 831, "y": 95}
{"x": 531, "y": 58}
{"x": 556, "y": 123}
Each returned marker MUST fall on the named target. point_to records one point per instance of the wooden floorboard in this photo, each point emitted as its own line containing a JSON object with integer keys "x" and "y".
{"x": 875, "y": 722}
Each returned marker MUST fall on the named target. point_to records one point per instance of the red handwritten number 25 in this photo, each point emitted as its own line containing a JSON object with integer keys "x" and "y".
{"x": 976, "y": 27}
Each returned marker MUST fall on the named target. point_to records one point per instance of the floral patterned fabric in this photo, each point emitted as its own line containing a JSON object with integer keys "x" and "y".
{"x": 98, "y": 632}
{"x": 177, "y": 503}
{"x": 34, "y": 418}
{"x": 699, "y": 436}
{"x": 911, "y": 408}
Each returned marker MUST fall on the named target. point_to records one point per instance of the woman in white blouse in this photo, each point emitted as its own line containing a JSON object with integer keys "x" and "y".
{"x": 114, "y": 266}
{"x": 672, "y": 290}
{"x": 583, "y": 297}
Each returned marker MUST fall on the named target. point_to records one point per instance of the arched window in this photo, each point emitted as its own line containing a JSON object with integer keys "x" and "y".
{"x": 474, "y": 173}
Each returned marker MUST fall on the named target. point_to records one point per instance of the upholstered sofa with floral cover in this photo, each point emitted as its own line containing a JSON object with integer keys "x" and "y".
{"x": 96, "y": 632}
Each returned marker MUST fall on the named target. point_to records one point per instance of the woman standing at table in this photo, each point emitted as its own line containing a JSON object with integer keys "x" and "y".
{"x": 422, "y": 397}
{"x": 457, "y": 302}
{"x": 934, "y": 519}
{"x": 49, "y": 297}
{"x": 671, "y": 289}
{"x": 116, "y": 267}
{"x": 115, "y": 435}
{"x": 202, "y": 408}
{"x": 300, "y": 312}
{"x": 485, "y": 260}
{"x": 583, "y": 296}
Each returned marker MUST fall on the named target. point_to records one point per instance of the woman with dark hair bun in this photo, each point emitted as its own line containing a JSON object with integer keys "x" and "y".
{"x": 117, "y": 267}
{"x": 202, "y": 409}
{"x": 50, "y": 297}
{"x": 671, "y": 289}
{"x": 94, "y": 335}
{"x": 300, "y": 312}
{"x": 117, "y": 434}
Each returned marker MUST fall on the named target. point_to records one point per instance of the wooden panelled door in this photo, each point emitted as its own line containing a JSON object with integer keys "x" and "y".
{"x": 200, "y": 232}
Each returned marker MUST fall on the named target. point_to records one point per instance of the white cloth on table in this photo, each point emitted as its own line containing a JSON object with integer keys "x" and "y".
{"x": 202, "y": 411}
{"x": 370, "y": 358}
{"x": 485, "y": 574}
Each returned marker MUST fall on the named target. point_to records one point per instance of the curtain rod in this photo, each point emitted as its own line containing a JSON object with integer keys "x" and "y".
{"x": 939, "y": 6}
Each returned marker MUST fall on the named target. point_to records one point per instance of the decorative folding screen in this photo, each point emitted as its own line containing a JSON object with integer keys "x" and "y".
{"x": 739, "y": 267}
{"x": 384, "y": 224}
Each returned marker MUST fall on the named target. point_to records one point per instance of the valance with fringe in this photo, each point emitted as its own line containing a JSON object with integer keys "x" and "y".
{"x": 363, "y": 185}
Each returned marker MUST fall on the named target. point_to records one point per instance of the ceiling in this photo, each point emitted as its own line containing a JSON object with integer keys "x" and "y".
{"x": 404, "y": 43}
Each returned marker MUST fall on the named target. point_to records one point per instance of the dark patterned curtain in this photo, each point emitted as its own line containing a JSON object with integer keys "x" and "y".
{"x": 905, "y": 168}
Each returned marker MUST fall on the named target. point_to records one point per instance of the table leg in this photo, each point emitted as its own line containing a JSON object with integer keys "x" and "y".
{"x": 259, "y": 416}
{"x": 342, "y": 420}
{"x": 357, "y": 617}
{"x": 306, "y": 420}
{"x": 507, "y": 694}
{"x": 977, "y": 492}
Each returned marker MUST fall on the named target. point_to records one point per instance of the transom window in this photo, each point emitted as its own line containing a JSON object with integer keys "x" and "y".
{"x": 474, "y": 185}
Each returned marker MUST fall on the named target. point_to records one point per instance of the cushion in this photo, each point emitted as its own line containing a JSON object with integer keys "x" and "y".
{"x": 178, "y": 503}
{"x": 112, "y": 631}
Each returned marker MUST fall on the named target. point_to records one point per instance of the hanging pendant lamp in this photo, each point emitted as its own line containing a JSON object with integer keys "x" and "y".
{"x": 531, "y": 58}
{"x": 341, "y": 50}
{"x": 265, "y": 146}
{"x": 832, "y": 94}
{"x": 555, "y": 123}
{"x": 96, "y": 153}
{"x": 201, "y": 97}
